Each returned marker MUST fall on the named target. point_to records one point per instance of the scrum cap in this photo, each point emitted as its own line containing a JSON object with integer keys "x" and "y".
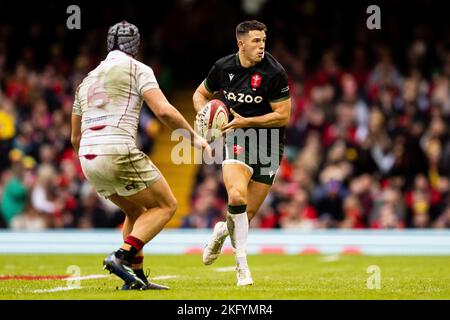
{"x": 125, "y": 37}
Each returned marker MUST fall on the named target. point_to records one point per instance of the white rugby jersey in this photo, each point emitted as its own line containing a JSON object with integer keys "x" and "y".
{"x": 110, "y": 98}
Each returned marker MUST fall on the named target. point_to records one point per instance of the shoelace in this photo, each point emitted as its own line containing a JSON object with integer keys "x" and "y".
{"x": 147, "y": 272}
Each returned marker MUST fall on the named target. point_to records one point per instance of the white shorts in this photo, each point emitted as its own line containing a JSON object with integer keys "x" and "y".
{"x": 119, "y": 168}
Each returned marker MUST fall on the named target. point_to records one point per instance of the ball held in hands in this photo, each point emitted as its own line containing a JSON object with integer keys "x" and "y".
{"x": 210, "y": 120}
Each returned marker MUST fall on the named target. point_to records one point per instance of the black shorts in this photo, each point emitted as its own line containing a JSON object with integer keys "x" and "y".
{"x": 262, "y": 156}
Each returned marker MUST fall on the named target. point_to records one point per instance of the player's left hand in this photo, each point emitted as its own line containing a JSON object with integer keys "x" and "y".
{"x": 238, "y": 122}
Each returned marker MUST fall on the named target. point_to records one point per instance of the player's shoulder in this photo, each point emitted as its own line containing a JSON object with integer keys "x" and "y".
{"x": 273, "y": 64}
{"x": 226, "y": 61}
{"x": 140, "y": 66}
{"x": 119, "y": 58}
{"x": 84, "y": 82}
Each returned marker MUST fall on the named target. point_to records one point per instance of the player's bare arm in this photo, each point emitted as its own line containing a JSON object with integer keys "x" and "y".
{"x": 278, "y": 118}
{"x": 201, "y": 97}
{"x": 75, "y": 136}
{"x": 170, "y": 116}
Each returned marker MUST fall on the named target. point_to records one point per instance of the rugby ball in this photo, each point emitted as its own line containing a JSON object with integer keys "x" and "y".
{"x": 210, "y": 120}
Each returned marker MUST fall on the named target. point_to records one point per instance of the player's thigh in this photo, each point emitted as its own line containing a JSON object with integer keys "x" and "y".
{"x": 158, "y": 194}
{"x": 130, "y": 208}
{"x": 256, "y": 193}
{"x": 134, "y": 172}
{"x": 236, "y": 176}
{"x": 97, "y": 171}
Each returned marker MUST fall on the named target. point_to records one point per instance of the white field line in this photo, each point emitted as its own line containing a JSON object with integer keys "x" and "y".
{"x": 67, "y": 288}
{"x": 55, "y": 289}
{"x": 331, "y": 258}
{"x": 225, "y": 269}
{"x": 88, "y": 277}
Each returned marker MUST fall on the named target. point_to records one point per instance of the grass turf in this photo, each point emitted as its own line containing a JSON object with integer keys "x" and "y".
{"x": 276, "y": 277}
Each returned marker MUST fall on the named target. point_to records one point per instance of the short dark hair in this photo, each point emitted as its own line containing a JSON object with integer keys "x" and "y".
{"x": 244, "y": 27}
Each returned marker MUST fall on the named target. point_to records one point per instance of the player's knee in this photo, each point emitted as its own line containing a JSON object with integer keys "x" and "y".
{"x": 131, "y": 218}
{"x": 173, "y": 206}
{"x": 134, "y": 212}
{"x": 236, "y": 196}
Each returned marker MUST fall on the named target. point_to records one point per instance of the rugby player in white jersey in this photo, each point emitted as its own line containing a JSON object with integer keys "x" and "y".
{"x": 104, "y": 125}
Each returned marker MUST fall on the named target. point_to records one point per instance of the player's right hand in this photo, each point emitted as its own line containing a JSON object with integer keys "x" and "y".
{"x": 201, "y": 143}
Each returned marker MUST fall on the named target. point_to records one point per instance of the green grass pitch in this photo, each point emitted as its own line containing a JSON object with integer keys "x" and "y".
{"x": 275, "y": 276}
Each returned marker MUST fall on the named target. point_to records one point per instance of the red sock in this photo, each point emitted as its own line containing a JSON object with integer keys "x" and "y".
{"x": 137, "y": 262}
{"x": 130, "y": 248}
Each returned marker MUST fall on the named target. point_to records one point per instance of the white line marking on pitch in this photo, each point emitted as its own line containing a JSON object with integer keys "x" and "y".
{"x": 56, "y": 289}
{"x": 225, "y": 269}
{"x": 331, "y": 258}
{"x": 88, "y": 277}
{"x": 91, "y": 276}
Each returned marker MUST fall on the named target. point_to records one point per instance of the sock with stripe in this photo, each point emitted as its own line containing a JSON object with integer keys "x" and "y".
{"x": 130, "y": 248}
{"x": 237, "y": 223}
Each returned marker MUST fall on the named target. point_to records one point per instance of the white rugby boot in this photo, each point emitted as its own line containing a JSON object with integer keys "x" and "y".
{"x": 244, "y": 277}
{"x": 215, "y": 244}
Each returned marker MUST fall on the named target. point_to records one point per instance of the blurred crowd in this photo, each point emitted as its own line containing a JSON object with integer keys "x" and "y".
{"x": 367, "y": 145}
{"x": 366, "y": 148}
{"x": 368, "y": 140}
{"x": 41, "y": 181}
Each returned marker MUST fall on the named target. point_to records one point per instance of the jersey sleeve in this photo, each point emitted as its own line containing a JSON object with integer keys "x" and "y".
{"x": 279, "y": 88}
{"x": 212, "y": 81}
{"x": 145, "y": 79}
{"x": 76, "y": 108}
